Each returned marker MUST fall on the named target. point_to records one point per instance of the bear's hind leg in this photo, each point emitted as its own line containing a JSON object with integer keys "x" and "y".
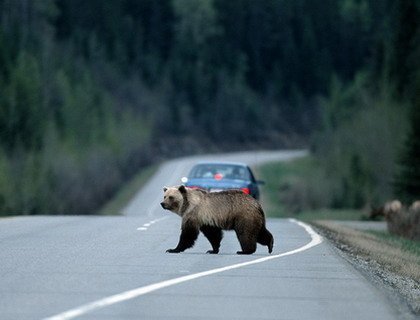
{"x": 248, "y": 242}
{"x": 266, "y": 239}
{"x": 214, "y": 235}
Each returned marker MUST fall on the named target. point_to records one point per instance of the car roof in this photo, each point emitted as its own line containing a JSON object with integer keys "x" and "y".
{"x": 222, "y": 163}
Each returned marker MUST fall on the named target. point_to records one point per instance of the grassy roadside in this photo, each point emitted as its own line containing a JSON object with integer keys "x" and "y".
{"x": 404, "y": 244}
{"x": 120, "y": 200}
{"x": 397, "y": 255}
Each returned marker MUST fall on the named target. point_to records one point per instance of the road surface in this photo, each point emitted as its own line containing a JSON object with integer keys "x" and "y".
{"x": 97, "y": 267}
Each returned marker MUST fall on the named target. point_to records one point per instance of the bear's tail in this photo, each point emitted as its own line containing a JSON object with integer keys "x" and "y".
{"x": 266, "y": 239}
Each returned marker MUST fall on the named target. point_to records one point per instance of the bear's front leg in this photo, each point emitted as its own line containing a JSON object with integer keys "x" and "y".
{"x": 187, "y": 239}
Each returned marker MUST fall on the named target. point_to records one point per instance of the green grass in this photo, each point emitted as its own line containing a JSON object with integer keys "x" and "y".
{"x": 278, "y": 175}
{"x": 121, "y": 199}
{"x": 329, "y": 214}
{"x": 407, "y": 245}
{"x": 274, "y": 174}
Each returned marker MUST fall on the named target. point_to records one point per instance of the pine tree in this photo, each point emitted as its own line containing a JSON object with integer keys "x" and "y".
{"x": 404, "y": 62}
{"x": 407, "y": 182}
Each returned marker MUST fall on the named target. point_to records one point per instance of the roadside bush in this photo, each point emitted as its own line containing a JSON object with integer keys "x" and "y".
{"x": 307, "y": 191}
{"x": 403, "y": 221}
{"x": 357, "y": 146}
{"x": 73, "y": 175}
{"x": 354, "y": 154}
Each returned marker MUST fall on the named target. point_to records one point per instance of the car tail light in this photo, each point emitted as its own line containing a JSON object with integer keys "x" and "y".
{"x": 218, "y": 176}
{"x": 245, "y": 190}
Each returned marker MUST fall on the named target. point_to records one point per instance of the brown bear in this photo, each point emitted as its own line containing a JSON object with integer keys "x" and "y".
{"x": 212, "y": 212}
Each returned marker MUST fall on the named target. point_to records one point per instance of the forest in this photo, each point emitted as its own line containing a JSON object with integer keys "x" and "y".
{"x": 93, "y": 91}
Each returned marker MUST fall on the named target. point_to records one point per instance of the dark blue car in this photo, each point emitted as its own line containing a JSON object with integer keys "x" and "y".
{"x": 218, "y": 176}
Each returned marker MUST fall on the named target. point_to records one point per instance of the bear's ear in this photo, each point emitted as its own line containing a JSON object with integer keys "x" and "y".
{"x": 182, "y": 189}
{"x": 164, "y": 189}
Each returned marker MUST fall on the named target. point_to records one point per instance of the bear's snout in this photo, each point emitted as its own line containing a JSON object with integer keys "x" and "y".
{"x": 164, "y": 206}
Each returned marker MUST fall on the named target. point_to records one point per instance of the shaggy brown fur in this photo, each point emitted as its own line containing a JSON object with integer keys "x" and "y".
{"x": 211, "y": 213}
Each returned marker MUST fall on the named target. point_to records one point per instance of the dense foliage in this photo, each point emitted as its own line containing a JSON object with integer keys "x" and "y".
{"x": 407, "y": 180}
{"x": 367, "y": 147}
{"x": 240, "y": 61}
{"x": 92, "y": 90}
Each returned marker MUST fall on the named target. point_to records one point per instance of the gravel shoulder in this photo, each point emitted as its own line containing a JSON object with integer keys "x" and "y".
{"x": 395, "y": 272}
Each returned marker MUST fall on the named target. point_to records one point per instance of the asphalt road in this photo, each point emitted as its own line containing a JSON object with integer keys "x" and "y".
{"x": 94, "y": 267}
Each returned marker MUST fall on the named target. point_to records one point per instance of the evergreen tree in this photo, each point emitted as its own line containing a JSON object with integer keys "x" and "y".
{"x": 407, "y": 182}
{"x": 405, "y": 52}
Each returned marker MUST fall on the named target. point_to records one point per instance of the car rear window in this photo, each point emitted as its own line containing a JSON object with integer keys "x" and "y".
{"x": 225, "y": 171}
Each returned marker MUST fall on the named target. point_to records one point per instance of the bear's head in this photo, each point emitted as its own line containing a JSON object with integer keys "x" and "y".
{"x": 174, "y": 198}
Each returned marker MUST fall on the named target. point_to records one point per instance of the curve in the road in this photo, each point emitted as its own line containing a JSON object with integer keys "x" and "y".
{"x": 131, "y": 294}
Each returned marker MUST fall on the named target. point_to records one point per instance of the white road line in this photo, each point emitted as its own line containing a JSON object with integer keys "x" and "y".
{"x": 131, "y": 294}
{"x": 148, "y": 224}
{"x": 157, "y": 220}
